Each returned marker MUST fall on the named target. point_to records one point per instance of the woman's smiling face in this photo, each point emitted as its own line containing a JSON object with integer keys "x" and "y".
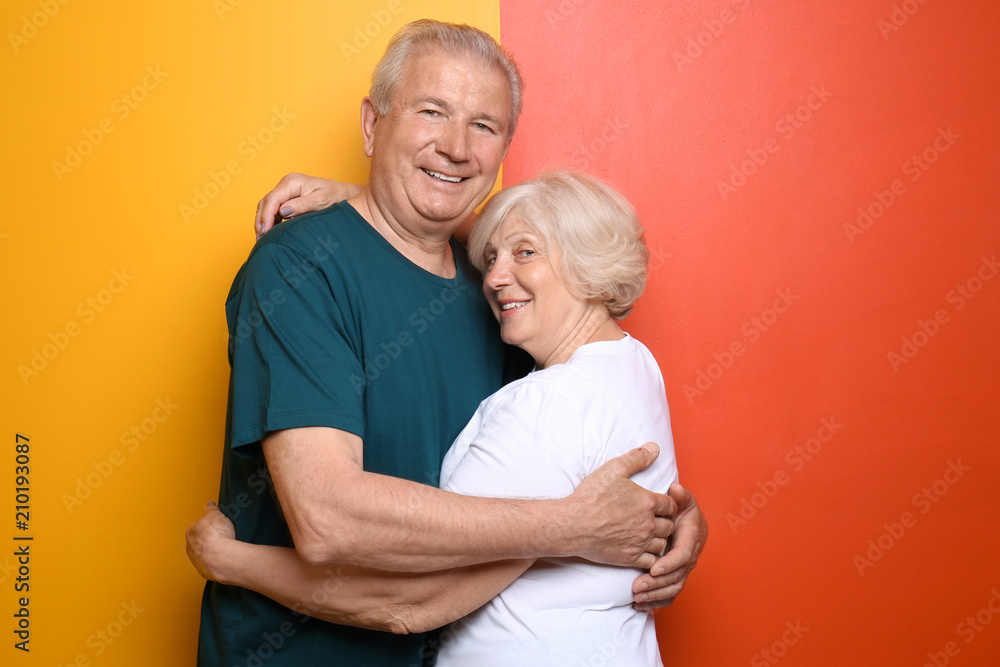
{"x": 537, "y": 308}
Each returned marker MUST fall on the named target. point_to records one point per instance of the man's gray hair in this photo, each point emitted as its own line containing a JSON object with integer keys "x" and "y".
{"x": 430, "y": 36}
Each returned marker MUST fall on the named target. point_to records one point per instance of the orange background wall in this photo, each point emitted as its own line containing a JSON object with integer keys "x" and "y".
{"x": 774, "y": 311}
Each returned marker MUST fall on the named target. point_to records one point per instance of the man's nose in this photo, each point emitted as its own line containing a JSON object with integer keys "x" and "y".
{"x": 454, "y": 142}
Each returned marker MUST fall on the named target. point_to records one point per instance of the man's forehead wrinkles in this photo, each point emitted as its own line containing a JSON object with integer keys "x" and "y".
{"x": 431, "y": 99}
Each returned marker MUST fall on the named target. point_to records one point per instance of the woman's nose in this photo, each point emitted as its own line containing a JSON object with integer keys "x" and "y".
{"x": 498, "y": 275}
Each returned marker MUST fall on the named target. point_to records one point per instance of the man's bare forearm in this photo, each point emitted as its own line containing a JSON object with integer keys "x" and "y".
{"x": 339, "y": 513}
{"x": 397, "y": 525}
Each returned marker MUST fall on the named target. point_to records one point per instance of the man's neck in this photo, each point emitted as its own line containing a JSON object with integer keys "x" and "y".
{"x": 430, "y": 250}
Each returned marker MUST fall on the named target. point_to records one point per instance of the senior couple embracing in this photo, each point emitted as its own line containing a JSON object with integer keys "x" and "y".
{"x": 494, "y": 474}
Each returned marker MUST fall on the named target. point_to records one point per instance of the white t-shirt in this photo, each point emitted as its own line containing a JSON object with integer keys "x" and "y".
{"x": 538, "y": 438}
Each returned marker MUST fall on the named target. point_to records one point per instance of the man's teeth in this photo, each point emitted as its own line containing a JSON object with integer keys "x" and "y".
{"x": 515, "y": 304}
{"x": 439, "y": 175}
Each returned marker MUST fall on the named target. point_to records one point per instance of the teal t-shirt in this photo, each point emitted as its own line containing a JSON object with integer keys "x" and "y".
{"x": 329, "y": 325}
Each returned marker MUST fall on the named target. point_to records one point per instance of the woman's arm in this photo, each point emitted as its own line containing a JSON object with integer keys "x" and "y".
{"x": 372, "y": 599}
{"x": 296, "y": 194}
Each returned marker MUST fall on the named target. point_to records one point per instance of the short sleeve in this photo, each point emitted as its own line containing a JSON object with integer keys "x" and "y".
{"x": 528, "y": 441}
{"x": 293, "y": 350}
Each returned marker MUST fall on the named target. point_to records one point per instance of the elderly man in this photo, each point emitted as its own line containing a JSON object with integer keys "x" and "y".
{"x": 360, "y": 346}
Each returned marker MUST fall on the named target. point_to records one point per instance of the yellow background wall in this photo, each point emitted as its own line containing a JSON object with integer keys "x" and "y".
{"x": 137, "y": 140}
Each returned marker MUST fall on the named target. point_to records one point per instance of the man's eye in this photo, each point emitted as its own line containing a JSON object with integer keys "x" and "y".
{"x": 484, "y": 127}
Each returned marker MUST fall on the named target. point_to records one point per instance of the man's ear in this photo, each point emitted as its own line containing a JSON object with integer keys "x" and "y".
{"x": 368, "y": 119}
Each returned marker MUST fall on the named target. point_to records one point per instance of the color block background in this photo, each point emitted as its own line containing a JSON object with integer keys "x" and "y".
{"x": 832, "y": 371}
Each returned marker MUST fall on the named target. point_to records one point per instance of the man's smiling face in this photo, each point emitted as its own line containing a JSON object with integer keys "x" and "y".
{"x": 436, "y": 154}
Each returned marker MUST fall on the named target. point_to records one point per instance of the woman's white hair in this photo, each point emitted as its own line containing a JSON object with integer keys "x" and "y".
{"x": 429, "y": 36}
{"x": 596, "y": 231}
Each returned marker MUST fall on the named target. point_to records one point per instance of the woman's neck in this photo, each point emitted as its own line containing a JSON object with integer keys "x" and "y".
{"x": 597, "y": 325}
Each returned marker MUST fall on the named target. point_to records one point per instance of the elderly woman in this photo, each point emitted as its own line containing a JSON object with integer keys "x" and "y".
{"x": 563, "y": 259}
